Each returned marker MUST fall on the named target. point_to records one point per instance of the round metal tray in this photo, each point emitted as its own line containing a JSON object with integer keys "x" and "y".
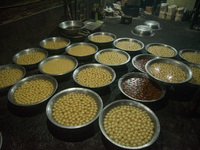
{"x": 154, "y": 25}
{"x": 143, "y": 31}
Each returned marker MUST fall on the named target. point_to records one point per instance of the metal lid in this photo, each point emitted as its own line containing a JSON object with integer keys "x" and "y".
{"x": 143, "y": 30}
{"x": 154, "y": 25}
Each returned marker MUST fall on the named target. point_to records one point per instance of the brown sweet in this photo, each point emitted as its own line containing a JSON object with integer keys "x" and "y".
{"x": 141, "y": 88}
{"x": 140, "y": 63}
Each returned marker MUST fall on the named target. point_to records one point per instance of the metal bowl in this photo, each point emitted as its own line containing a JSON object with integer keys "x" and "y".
{"x": 115, "y": 60}
{"x": 56, "y": 57}
{"x": 139, "y": 61}
{"x": 137, "y": 105}
{"x": 83, "y": 57}
{"x": 162, "y": 53}
{"x": 28, "y": 79}
{"x": 29, "y": 51}
{"x": 139, "y": 89}
{"x": 102, "y": 44}
{"x": 10, "y": 66}
{"x": 71, "y": 27}
{"x": 194, "y": 58}
{"x": 169, "y": 73}
{"x": 57, "y": 50}
{"x": 135, "y": 50}
{"x": 154, "y": 25}
{"x": 143, "y": 31}
{"x": 96, "y": 65}
{"x": 91, "y": 93}
{"x": 195, "y": 80}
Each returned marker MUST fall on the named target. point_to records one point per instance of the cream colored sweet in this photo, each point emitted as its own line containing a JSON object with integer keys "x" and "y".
{"x": 55, "y": 44}
{"x": 195, "y": 75}
{"x": 81, "y": 50}
{"x": 9, "y": 76}
{"x": 30, "y": 58}
{"x": 74, "y": 109}
{"x": 58, "y": 66}
{"x": 128, "y": 45}
{"x": 162, "y": 51}
{"x": 94, "y": 77}
{"x": 167, "y": 72}
{"x": 128, "y": 126}
{"x": 101, "y": 38}
{"x": 192, "y": 57}
{"x": 112, "y": 58}
{"x": 33, "y": 91}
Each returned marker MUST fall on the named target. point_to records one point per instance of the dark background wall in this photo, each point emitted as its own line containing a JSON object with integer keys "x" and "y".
{"x": 12, "y": 10}
{"x": 23, "y": 24}
{"x": 17, "y": 9}
{"x": 27, "y": 32}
